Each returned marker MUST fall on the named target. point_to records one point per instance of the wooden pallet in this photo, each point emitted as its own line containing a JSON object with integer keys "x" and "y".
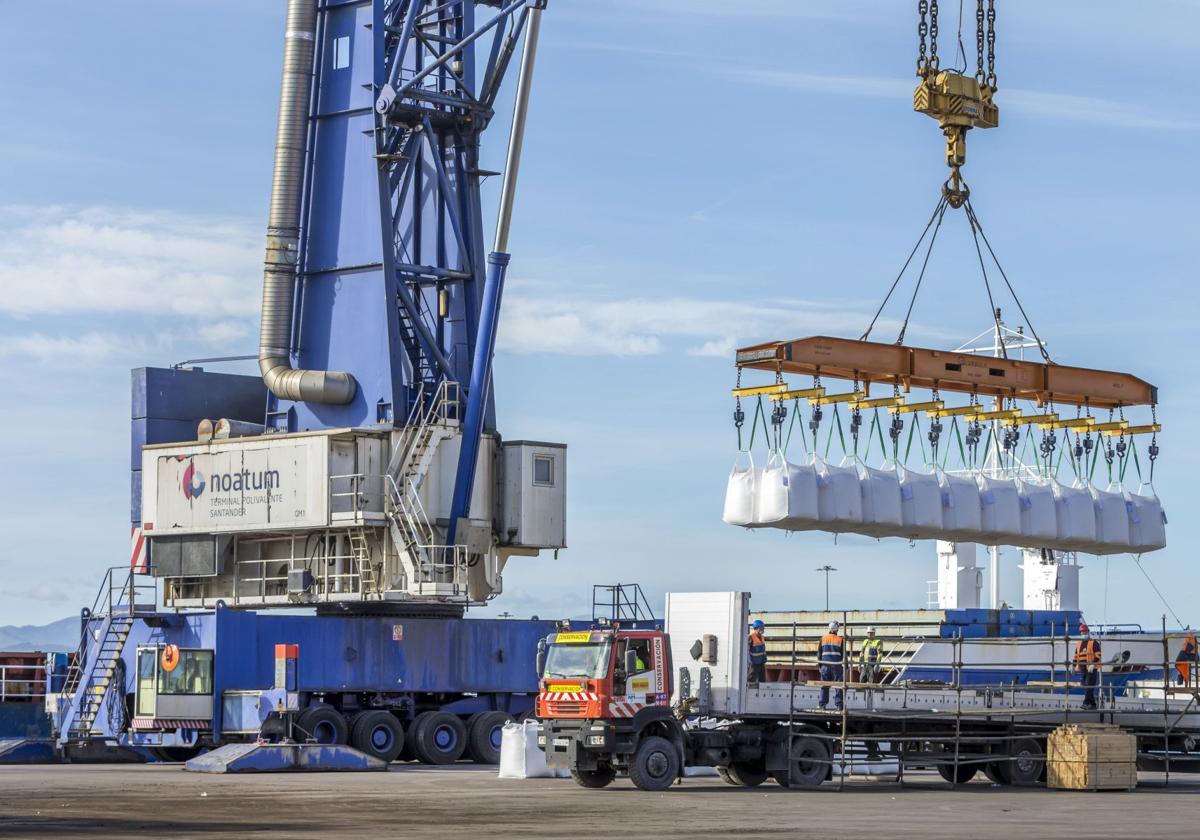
{"x": 1091, "y": 756}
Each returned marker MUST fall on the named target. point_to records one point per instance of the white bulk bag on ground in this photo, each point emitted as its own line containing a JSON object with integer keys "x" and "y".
{"x": 1000, "y": 503}
{"x": 787, "y": 495}
{"x": 1112, "y": 522}
{"x": 962, "y": 513}
{"x": 1076, "y": 518}
{"x": 520, "y": 757}
{"x": 920, "y": 505}
{"x": 1039, "y": 518}
{"x": 881, "y": 513}
{"x": 1147, "y": 522}
{"x": 740, "y": 492}
{"x": 839, "y": 499}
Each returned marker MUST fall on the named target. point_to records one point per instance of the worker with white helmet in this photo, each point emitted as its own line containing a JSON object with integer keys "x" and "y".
{"x": 830, "y": 657}
{"x": 869, "y": 657}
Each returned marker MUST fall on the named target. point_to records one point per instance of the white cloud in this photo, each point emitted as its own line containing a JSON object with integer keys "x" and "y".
{"x": 1091, "y": 109}
{"x": 536, "y": 322}
{"x": 89, "y": 349}
{"x": 881, "y": 87}
{"x": 96, "y": 260}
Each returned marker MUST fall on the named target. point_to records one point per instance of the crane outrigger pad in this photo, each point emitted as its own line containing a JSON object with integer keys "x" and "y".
{"x": 946, "y": 370}
{"x": 283, "y": 758}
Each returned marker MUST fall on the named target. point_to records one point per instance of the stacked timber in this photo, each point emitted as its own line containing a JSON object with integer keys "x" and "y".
{"x": 1091, "y": 756}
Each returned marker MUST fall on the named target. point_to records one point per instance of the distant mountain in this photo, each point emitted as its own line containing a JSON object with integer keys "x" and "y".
{"x": 55, "y": 636}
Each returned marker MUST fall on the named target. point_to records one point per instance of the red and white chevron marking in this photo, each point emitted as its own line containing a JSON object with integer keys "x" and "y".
{"x": 554, "y": 696}
{"x": 624, "y": 708}
{"x": 137, "y": 553}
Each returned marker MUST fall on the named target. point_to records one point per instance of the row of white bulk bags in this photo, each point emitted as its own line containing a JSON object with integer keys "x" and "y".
{"x": 900, "y": 502}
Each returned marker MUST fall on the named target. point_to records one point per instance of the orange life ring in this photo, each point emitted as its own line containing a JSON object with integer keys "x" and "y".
{"x": 170, "y": 658}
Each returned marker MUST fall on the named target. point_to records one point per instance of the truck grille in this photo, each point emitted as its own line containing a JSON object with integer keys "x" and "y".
{"x": 566, "y": 708}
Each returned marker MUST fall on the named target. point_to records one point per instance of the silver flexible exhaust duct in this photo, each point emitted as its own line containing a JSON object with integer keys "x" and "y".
{"x": 283, "y": 227}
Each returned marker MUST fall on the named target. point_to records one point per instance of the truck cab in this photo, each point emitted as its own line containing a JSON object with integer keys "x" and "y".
{"x": 604, "y": 697}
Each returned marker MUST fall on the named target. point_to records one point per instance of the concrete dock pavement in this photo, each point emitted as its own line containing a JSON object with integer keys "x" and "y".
{"x": 163, "y": 801}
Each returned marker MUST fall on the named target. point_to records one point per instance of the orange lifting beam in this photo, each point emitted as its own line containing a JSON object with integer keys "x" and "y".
{"x": 917, "y": 367}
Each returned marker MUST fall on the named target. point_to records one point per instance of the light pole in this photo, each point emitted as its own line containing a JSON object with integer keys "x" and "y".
{"x": 826, "y": 569}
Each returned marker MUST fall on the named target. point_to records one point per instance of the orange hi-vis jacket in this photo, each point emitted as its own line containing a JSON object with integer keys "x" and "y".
{"x": 832, "y": 651}
{"x": 1087, "y": 653}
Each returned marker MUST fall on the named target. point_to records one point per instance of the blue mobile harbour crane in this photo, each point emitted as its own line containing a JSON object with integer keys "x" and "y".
{"x": 361, "y": 480}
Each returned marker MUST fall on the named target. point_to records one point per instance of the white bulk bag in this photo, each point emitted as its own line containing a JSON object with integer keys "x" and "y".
{"x": 881, "y": 513}
{"x": 839, "y": 499}
{"x": 1001, "y": 506}
{"x": 1039, "y": 518}
{"x": 1076, "y": 518}
{"x": 920, "y": 504}
{"x": 520, "y": 757}
{"x": 787, "y": 495}
{"x": 740, "y": 492}
{"x": 1147, "y": 522}
{"x": 962, "y": 513}
{"x": 1112, "y": 522}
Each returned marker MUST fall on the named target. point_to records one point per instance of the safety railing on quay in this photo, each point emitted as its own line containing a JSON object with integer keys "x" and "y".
{"x": 974, "y": 742}
{"x": 23, "y": 681}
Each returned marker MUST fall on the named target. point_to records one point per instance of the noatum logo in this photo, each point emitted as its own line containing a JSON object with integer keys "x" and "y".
{"x": 194, "y": 481}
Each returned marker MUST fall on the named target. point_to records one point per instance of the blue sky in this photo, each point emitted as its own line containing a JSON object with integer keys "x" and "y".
{"x": 698, "y": 175}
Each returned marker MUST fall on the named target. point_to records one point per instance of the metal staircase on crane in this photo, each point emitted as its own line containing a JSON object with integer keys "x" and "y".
{"x": 426, "y": 558}
{"x": 95, "y": 666}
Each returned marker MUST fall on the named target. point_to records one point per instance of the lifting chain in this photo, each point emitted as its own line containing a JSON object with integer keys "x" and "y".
{"x": 814, "y": 424}
{"x": 1088, "y": 443}
{"x": 855, "y": 420}
{"x": 935, "y": 429}
{"x": 1152, "y": 450}
{"x": 1109, "y": 452}
{"x": 974, "y": 435}
{"x": 739, "y": 416}
{"x": 991, "y": 45}
{"x": 927, "y": 29}
{"x": 979, "y": 76}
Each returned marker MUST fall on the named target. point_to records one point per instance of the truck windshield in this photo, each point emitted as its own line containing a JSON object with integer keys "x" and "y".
{"x": 577, "y": 661}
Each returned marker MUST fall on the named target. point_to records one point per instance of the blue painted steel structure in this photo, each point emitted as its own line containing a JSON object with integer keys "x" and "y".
{"x": 461, "y": 666}
{"x": 392, "y": 265}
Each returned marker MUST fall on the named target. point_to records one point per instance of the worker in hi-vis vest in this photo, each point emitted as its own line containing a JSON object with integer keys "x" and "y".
{"x": 758, "y": 653}
{"x": 1186, "y": 658}
{"x": 831, "y": 656}
{"x": 1087, "y": 663}
{"x": 869, "y": 657}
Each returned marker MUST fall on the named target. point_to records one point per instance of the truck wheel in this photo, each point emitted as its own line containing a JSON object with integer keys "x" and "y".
{"x": 323, "y": 724}
{"x": 484, "y": 733}
{"x": 810, "y": 764}
{"x": 742, "y": 775}
{"x": 377, "y": 733}
{"x": 997, "y": 772}
{"x": 438, "y": 737}
{"x": 966, "y": 772}
{"x": 598, "y": 778}
{"x": 655, "y": 765}
{"x": 1028, "y": 761}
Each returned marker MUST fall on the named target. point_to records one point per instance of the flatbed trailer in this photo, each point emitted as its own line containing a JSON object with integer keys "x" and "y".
{"x": 707, "y": 713}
